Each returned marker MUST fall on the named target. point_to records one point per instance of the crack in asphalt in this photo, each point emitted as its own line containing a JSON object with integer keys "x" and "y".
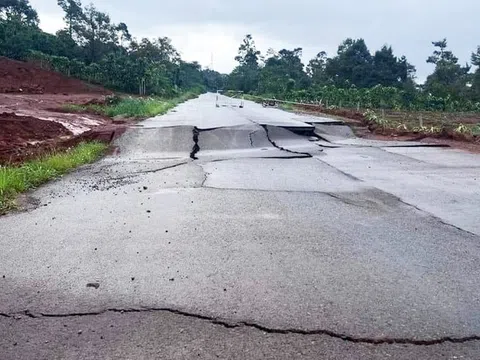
{"x": 196, "y": 147}
{"x": 436, "y": 217}
{"x": 250, "y": 137}
{"x": 350, "y": 176}
{"x": 135, "y": 174}
{"x": 245, "y": 324}
{"x": 282, "y": 148}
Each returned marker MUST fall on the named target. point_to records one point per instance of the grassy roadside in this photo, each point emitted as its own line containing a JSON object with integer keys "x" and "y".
{"x": 132, "y": 107}
{"x": 17, "y": 179}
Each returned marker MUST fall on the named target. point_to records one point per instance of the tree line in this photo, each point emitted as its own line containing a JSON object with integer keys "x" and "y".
{"x": 357, "y": 78}
{"x": 93, "y": 48}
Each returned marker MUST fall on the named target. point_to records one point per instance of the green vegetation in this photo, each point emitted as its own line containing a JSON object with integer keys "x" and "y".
{"x": 132, "y": 107}
{"x": 18, "y": 179}
{"x": 356, "y": 78}
{"x": 93, "y": 48}
{"x": 287, "y": 107}
{"x": 427, "y": 123}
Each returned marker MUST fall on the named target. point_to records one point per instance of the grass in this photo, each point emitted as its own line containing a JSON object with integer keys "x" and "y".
{"x": 17, "y": 179}
{"x": 132, "y": 107}
{"x": 432, "y": 123}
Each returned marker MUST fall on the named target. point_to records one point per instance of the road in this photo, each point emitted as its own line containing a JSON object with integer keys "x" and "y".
{"x": 234, "y": 233}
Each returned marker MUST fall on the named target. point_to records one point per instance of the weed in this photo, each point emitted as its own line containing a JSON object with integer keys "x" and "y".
{"x": 463, "y": 129}
{"x": 18, "y": 179}
{"x": 131, "y": 107}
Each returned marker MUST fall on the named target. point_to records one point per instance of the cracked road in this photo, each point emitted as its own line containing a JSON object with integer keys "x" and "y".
{"x": 238, "y": 234}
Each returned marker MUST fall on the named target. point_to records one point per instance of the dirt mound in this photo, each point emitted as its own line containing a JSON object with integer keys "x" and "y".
{"x": 24, "y": 137}
{"x": 22, "y": 77}
{"x": 14, "y": 128}
{"x": 21, "y": 135}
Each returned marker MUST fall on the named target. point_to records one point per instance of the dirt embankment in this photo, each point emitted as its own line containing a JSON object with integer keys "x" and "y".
{"x": 25, "y": 78}
{"x": 32, "y": 119}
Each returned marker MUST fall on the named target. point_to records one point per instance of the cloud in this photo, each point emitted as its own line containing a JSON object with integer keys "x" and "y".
{"x": 199, "y": 28}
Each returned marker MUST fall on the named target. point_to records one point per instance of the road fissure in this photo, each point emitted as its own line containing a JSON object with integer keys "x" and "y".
{"x": 232, "y": 325}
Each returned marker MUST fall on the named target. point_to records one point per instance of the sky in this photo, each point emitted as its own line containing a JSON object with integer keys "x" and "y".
{"x": 206, "y": 30}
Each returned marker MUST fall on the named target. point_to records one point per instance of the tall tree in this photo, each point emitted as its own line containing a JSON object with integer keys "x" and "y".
{"x": 476, "y": 76}
{"x": 73, "y": 15}
{"x": 352, "y": 65}
{"x": 283, "y": 72}
{"x": 316, "y": 69}
{"x": 97, "y": 33}
{"x": 449, "y": 78}
{"x": 245, "y": 76}
{"x": 18, "y": 10}
{"x": 248, "y": 55}
{"x": 388, "y": 70}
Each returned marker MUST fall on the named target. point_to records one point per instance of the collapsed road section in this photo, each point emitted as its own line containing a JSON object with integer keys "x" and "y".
{"x": 206, "y": 228}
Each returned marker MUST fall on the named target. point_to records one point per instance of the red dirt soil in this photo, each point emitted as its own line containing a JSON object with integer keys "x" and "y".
{"x": 31, "y": 123}
{"x": 26, "y": 78}
{"x": 23, "y": 137}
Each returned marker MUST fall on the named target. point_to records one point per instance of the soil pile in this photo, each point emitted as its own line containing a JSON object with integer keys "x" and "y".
{"x": 21, "y": 135}
{"x": 26, "y": 78}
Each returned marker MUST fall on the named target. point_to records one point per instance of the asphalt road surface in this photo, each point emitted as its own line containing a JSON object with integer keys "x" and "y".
{"x": 236, "y": 233}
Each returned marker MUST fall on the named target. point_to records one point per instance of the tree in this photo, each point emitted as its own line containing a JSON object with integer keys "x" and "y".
{"x": 213, "y": 80}
{"x": 248, "y": 55}
{"x": 441, "y": 54}
{"x": 449, "y": 79}
{"x": 124, "y": 34}
{"x": 18, "y": 10}
{"x": 388, "y": 70}
{"x": 73, "y": 15}
{"x": 316, "y": 69}
{"x": 476, "y": 76}
{"x": 352, "y": 65}
{"x": 283, "y": 72}
{"x": 97, "y": 33}
{"x": 245, "y": 76}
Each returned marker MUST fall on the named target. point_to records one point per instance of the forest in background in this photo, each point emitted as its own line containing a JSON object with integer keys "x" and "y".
{"x": 93, "y": 48}
{"x": 354, "y": 77}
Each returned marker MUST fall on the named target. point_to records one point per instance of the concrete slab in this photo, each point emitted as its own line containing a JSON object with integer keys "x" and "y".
{"x": 279, "y": 175}
{"x": 449, "y": 192}
{"x": 319, "y": 120}
{"x": 334, "y": 132}
{"x": 381, "y": 143}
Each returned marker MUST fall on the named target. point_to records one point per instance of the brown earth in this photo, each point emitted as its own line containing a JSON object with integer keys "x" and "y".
{"x": 26, "y": 137}
{"x": 26, "y": 78}
{"x": 33, "y": 120}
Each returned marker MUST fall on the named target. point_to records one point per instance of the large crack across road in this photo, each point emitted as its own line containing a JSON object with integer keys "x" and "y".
{"x": 282, "y": 148}
{"x": 196, "y": 147}
{"x": 270, "y": 330}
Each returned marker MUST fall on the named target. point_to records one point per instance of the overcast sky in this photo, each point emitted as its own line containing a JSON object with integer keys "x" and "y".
{"x": 200, "y": 28}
